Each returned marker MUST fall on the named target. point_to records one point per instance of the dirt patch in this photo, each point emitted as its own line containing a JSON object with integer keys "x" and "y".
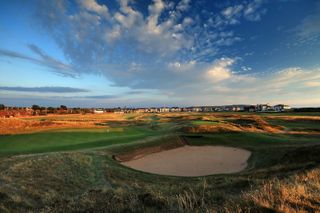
{"x": 193, "y": 161}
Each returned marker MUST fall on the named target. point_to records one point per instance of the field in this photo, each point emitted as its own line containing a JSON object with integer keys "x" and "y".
{"x": 70, "y": 163}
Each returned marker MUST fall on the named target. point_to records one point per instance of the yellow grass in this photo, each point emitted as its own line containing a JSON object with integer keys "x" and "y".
{"x": 301, "y": 193}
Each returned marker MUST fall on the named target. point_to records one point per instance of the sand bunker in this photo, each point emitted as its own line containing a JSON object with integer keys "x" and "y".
{"x": 193, "y": 161}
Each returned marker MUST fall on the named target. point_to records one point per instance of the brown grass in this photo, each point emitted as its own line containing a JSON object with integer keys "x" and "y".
{"x": 29, "y": 124}
{"x": 18, "y": 126}
{"x": 293, "y": 117}
{"x": 300, "y": 193}
{"x": 226, "y": 122}
{"x": 235, "y": 124}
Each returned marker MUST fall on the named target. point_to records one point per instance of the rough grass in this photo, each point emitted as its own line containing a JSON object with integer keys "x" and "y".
{"x": 282, "y": 176}
{"x": 93, "y": 182}
{"x": 297, "y": 193}
{"x": 19, "y": 126}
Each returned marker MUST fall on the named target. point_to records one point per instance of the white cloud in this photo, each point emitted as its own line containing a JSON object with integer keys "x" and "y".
{"x": 287, "y": 80}
{"x": 220, "y": 70}
{"x": 293, "y": 77}
{"x": 308, "y": 31}
{"x": 252, "y": 13}
{"x": 166, "y": 32}
{"x": 127, "y": 17}
{"x": 182, "y": 67}
{"x": 93, "y": 6}
{"x": 163, "y": 48}
{"x": 222, "y": 85}
{"x": 183, "y": 5}
{"x": 234, "y": 11}
{"x": 313, "y": 84}
{"x": 246, "y": 68}
{"x": 155, "y": 11}
{"x": 113, "y": 34}
{"x": 227, "y": 41}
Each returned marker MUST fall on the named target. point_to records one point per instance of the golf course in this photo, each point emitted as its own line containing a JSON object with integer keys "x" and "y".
{"x": 164, "y": 162}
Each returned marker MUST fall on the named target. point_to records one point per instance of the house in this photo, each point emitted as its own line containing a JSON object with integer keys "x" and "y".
{"x": 228, "y": 108}
{"x": 98, "y": 111}
{"x": 264, "y": 108}
{"x": 238, "y": 108}
{"x": 119, "y": 112}
{"x": 175, "y": 109}
{"x": 281, "y": 108}
{"x": 140, "y": 110}
{"x": 187, "y": 109}
{"x": 153, "y": 110}
{"x": 250, "y": 108}
{"x": 218, "y": 109}
{"x": 196, "y": 109}
{"x": 207, "y": 109}
{"x": 164, "y": 109}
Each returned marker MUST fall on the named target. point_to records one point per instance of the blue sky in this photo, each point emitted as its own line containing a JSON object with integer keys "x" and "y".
{"x": 93, "y": 53}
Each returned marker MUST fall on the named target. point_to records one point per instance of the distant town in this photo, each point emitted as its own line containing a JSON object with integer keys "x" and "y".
{"x": 35, "y": 110}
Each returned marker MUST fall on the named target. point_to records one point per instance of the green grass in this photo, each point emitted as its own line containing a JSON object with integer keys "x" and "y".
{"x": 247, "y": 139}
{"x": 201, "y": 122}
{"x": 130, "y": 116}
{"x": 267, "y": 149}
{"x": 65, "y": 140}
{"x": 297, "y": 124}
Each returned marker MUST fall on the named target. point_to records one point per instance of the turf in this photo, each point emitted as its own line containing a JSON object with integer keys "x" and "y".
{"x": 66, "y": 140}
{"x": 297, "y": 124}
{"x": 200, "y": 122}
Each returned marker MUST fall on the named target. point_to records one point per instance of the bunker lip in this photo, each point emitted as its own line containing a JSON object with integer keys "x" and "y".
{"x": 191, "y": 161}
{"x": 141, "y": 152}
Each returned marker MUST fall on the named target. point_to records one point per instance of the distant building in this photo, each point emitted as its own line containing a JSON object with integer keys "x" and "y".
{"x": 250, "y": 108}
{"x": 281, "y": 108}
{"x": 164, "y": 109}
{"x": 264, "y": 108}
{"x": 98, "y": 111}
{"x": 175, "y": 109}
{"x": 196, "y": 109}
{"x": 119, "y": 112}
{"x": 239, "y": 108}
{"x": 207, "y": 109}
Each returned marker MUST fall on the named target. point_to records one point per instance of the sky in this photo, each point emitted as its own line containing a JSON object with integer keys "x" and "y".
{"x": 131, "y": 53}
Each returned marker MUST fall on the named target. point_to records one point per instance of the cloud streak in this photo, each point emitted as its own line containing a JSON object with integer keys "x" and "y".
{"x": 43, "y": 60}
{"x": 308, "y": 31}
{"x": 44, "y": 89}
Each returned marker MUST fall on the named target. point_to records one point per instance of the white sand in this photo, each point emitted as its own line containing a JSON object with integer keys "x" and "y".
{"x": 193, "y": 161}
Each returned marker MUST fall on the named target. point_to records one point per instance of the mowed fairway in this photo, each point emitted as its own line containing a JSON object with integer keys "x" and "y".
{"x": 67, "y": 140}
{"x": 81, "y": 167}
